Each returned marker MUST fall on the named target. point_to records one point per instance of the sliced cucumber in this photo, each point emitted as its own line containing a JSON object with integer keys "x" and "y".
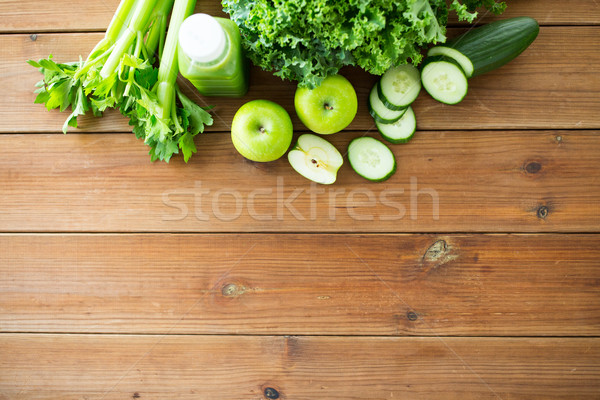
{"x": 399, "y": 86}
{"x": 371, "y": 159}
{"x": 444, "y": 79}
{"x": 381, "y": 113}
{"x": 495, "y": 44}
{"x": 459, "y": 57}
{"x": 400, "y": 131}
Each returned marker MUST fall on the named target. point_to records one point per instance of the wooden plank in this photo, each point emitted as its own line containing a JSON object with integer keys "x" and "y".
{"x": 58, "y": 16}
{"x": 496, "y": 285}
{"x": 514, "y": 181}
{"x": 34, "y": 16}
{"x": 19, "y": 79}
{"x": 547, "y": 12}
{"x": 70, "y": 367}
{"x": 549, "y": 86}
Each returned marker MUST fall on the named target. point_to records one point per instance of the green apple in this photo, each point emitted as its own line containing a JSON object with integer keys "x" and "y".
{"x": 316, "y": 159}
{"x": 328, "y": 108}
{"x": 261, "y": 130}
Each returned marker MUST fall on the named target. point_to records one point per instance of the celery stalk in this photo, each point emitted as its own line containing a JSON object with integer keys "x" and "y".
{"x": 165, "y": 118}
{"x": 139, "y": 19}
{"x": 117, "y": 25}
{"x": 120, "y": 20}
{"x": 169, "y": 66}
{"x": 119, "y": 74}
{"x": 106, "y": 77}
{"x": 158, "y": 28}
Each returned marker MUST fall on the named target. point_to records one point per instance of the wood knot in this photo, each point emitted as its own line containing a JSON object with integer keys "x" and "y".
{"x": 542, "y": 212}
{"x": 436, "y": 255}
{"x": 271, "y": 393}
{"x": 412, "y": 316}
{"x": 436, "y": 251}
{"x": 136, "y": 395}
{"x": 533, "y": 167}
{"x": 232, "y": 290}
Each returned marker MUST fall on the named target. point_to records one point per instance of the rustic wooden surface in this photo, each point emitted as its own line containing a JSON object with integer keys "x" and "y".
{"x": 320, "y": 284}
{"x": 34, "y": 16}
{"x": 122, "y": 279}
{"x": 481, "y": 181}
{"x": 71, "y": 367}
{"x": 552, "y": 85}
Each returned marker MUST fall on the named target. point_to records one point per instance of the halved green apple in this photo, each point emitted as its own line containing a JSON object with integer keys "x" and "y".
{"x": 316, "y": 159}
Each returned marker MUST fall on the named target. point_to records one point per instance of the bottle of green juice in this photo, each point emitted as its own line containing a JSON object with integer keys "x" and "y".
{"x": 210, "y": 56}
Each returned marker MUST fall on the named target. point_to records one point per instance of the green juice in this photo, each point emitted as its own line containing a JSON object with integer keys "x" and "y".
{"x": 210, "y": 56}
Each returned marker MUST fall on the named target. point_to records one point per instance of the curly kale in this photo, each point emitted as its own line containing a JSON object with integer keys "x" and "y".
{"x": 307, "y": 40}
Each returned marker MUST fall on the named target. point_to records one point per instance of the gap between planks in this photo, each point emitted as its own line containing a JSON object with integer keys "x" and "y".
{"x": 294, "y": 335}
{"x": 303, "y": 233}
{"x": 93, "y": 31}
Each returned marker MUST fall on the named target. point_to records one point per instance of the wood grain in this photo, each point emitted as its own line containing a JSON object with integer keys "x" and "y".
{"x": 479, "y": 181}
{"x": 33, "y": 16}
{"x": 457, "y": 315}
{"x": 70, "y": 367}
{"x": 497, "y": 285}
{"x": 551, "y": 85}
{"x": 547, "y": 12}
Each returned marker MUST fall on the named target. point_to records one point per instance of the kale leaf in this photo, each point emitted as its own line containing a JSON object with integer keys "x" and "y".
{"x": 308, "y": 40}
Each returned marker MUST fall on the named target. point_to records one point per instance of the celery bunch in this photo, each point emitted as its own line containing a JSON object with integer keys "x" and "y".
{"x": 119, "y": 73}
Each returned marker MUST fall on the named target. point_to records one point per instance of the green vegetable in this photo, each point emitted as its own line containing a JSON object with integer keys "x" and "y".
{"x": 371, "y": 159}
{"x": 444, "y": 79}
{"x": 379, "y": 111}
{"x": 399, "y": 86}
{"x": 446, "y": 68}
{"x": 166, "y": 125}
{"x": 401, "y": 131}
{"x": 119, "y": 74}
{"x": 469, "y": 6}
{"x": 490, "y": 46}
{"x": 93, "y": 84}
{"x": 461, "y": 59}
{"x": 308, "y": 40}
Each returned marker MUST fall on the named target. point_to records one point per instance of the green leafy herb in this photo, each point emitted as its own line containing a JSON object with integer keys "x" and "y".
{"x": 165, "y": 125}
{"x": 119, "y": 73}
{"x": 307, "y": 40}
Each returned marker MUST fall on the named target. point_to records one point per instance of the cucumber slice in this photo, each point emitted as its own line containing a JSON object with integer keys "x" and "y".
{"x": 459, "y": 57}
{"x": 399, "y": 86}
{"x": 381, "y": 113}
{"x": 371, "y": 159}
{"x": 400, "y": 131}
{"x": 444, "y": 79}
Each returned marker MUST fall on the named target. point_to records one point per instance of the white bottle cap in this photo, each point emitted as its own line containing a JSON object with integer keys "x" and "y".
{"x": 201, "y": 38}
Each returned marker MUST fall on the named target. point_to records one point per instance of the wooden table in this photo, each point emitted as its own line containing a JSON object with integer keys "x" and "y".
{"x": 474, "y": 273}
